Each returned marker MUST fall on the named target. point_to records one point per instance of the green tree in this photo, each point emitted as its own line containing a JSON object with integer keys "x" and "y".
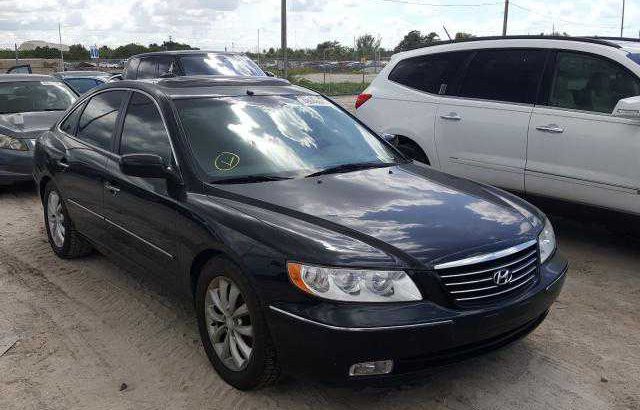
{"x": 367, "y": 45}
{"x": 76, "y": 52}
{"x": 414, "y": 39}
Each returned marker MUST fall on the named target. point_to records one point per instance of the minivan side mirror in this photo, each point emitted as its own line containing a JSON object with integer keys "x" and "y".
{"x": 145, "y": 166}
{"x": 628, "y": 108}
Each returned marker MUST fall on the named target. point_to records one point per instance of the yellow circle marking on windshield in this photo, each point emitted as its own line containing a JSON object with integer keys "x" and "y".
{"x": 226, "y": 161}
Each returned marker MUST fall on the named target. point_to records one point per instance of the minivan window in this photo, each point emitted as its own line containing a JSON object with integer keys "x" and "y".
{"x": 146, "y": 69}
{"x": 510, "y": 75}
{"x": 98, "y": 120}
{"x": 285, "y": 136}
{"x": 143, "y": 130}
{"x": 132, "y": 68}
{"x": 589, "y": 83}
{"x": 219, "y": 64}
{"x": 431, "y": 73}
{"x": 164, "y": 64}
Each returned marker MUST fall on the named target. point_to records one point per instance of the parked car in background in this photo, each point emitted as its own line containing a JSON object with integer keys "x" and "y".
{"x": 29, "y": 105}
{"x": 310, "y": 245}
{"x": 189, "y": 62}
{"x": 83, "y": 81}
{"x": 557, "y": 117}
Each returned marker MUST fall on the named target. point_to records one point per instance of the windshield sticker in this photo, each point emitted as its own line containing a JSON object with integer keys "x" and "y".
{"x": 312, "y": 100}
{"x": 226, "y": 161}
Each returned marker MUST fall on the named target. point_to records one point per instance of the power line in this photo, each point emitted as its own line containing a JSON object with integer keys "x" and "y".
{"x": 577, "y": 23}
{"x": 441, "y": 4}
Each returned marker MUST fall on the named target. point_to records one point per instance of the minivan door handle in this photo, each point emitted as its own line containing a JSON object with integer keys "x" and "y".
{"x": 551, "y": 128}
{"x": 451, "y": 116}
{"x": 113, "y": 189}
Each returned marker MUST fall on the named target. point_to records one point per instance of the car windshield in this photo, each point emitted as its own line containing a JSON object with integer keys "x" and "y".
{"x": 276, "y": 137}
{"x": 30, "y": 96}
{"x": 220, "y": 64}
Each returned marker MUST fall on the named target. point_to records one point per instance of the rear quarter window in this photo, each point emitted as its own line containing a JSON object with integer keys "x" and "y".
{"x": 430, "y": 73}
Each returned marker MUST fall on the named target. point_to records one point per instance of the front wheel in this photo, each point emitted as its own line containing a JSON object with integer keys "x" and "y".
{"x": 64, "y": 240}
{"x": 233, "y": 328}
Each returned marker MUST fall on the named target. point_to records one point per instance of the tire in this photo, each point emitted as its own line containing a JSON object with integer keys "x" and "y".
{"x": 260, "y": 368}
{"x": 413, "y": 151}
{"x": 70, "y": 244}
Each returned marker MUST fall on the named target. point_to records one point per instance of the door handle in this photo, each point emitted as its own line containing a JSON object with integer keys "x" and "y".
{"x": 451, "y": 116}
{"x": 113, "y": 189}
{"x": 62, "y": 163}
{"x": 551, "y": 128}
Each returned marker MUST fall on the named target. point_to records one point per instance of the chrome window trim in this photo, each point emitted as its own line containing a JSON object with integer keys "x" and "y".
{"x": 486, "y": 257}
{"x": 83, "y": 99}
{"x": 360, "y": 329}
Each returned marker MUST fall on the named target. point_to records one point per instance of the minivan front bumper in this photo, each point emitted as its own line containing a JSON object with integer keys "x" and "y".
{"x": 322, "y": 341}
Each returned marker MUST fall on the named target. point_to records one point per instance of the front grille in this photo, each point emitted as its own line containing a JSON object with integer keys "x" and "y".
{"x": 486, "y": 279}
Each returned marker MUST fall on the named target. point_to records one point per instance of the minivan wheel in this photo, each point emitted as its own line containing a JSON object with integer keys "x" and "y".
{"x": 233, "y": 328}
{"x": 412, "y": 150}
{"x": 63, "y": 238}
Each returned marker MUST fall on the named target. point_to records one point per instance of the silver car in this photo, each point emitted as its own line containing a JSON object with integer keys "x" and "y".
{"x": 29, "y": 105}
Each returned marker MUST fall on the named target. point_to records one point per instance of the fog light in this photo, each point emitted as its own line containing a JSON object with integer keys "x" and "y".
{"x": 371, "y": 368}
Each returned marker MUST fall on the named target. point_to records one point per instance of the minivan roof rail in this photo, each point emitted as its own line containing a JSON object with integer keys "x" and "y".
{"x": 630, "y": 39}
{"x": 593, "y": 40}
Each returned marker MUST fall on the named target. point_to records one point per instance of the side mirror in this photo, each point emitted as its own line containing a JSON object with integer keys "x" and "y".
{"x": 145, "y": 166}
{"x": 628, "y": 108}
{"x": 269, "y": 74}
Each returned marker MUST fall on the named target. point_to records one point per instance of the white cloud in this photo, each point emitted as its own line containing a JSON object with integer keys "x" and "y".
{"x": 219, "y": 23}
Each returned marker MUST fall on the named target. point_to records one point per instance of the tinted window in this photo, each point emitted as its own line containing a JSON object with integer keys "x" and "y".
{"x": 30, "y": 96}
{"x": 504, "y": 75}
{"x": 275, "y": 135}
{"x": 147, "y": 68}
{"x": 98, "y": 119}
{"x": 132, "y": 69}
{"x": 164, "y": 65}
{"x": 143, "y": 130}
{"x": 219, "y": 64}
{"x": 81, "y": 85}
{"x": 590, "y": 83}
{"x": 69, "y": 124}
{"x": 430, "y": 73}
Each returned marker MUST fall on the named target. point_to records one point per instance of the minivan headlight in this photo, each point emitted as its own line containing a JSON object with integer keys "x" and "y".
{"x": 546, "y": 241}
{"x": 354, "y": 285}
{"x": 12, "y": 143}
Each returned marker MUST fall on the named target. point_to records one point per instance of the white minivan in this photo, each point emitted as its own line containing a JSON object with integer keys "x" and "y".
{"x": 550, "y": 116}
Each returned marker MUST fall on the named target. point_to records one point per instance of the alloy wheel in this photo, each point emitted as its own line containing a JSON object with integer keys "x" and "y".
{"x": 55, "y": 217}
{"x": 229, "y": 323}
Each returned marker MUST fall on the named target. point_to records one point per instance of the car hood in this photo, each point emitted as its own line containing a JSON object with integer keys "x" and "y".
{"x": 28, "y": 124}
{"x": 409, "y": 212}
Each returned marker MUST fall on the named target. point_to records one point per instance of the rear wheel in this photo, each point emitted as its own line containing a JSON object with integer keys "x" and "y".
{"x": 64, "y": 240}
{"x": 233, "y": 328}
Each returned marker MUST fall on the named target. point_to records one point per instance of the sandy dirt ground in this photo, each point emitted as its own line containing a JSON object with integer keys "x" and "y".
{"x": 85, "y": 327}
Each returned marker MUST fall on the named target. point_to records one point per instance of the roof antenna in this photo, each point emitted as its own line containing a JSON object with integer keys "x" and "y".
{"x": 250, "y": 93}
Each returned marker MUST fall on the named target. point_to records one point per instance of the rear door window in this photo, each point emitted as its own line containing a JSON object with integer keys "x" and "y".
{"x": 98, "y": 120}
{"x": 589, "y": 83}
{"x": 431, "y": 73}
{"x": 147, "y": 68}
{"x": 510, "y": 75}
{"x": 69, "y": 124}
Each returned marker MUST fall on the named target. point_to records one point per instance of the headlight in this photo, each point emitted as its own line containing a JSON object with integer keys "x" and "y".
{"x": 546, "y": 241}
{"x": 15, "y": 144}
{"x": 354, "y": 285}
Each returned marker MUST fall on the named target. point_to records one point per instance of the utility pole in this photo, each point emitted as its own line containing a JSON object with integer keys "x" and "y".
{"x": 283, "y": 36}
{"x": 506, "y": 17}
{"x": 258, "y": 47}
{"x": 15, "y": 45}
{"x": 622, "y": 22}
{"x": 60, "y": 47}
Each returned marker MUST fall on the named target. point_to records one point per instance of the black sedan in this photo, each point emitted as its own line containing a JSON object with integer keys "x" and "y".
{"x": 309, "y": 244}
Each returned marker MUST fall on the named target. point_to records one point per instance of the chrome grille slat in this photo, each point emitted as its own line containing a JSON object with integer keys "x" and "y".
{"x": 492, "y": 269}
{"x": 473, "y": 284}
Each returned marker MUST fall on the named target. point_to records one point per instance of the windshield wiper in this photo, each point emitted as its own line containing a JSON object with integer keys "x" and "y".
{"x": 249, "y": 179}
{"x": 350, "y": 167}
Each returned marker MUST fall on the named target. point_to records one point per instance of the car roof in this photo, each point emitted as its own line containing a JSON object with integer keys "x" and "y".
{"x": 212, "y": 86}
{"x": 9, "y": 78}
{"x": 79, "y": 73}
{"x": 184, "y": 52}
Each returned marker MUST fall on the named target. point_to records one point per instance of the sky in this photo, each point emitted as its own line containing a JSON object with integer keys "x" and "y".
{"x": 234, "y": 24}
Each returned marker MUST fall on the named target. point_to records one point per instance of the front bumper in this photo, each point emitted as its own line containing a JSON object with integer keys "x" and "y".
{"x": 322, "y": 341}
{"x": 15, "y": 166}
